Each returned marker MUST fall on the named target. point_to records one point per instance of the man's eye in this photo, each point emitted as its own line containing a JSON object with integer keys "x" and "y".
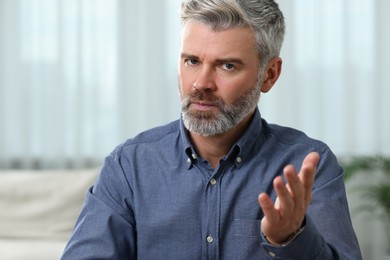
{"x": 191, "y": 61}
{"x": 228, "y": 66}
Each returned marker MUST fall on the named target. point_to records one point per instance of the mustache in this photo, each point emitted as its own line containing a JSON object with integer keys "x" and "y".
{"x": 202, "y": 96}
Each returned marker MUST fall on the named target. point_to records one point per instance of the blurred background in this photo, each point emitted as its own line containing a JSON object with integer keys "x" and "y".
{"x": 78, "y": 77}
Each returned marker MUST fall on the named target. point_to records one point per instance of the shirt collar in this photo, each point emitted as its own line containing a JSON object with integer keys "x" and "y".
{"x": 240, "y": 150}
{"x": 189, "y": 151}
{"x": 248, "y": 140}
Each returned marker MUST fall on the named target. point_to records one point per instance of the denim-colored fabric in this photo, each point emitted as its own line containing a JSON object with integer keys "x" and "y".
{"x": 156, "y": 199}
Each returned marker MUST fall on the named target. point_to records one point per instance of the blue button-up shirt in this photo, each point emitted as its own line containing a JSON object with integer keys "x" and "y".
{"x": 157, "y": 199}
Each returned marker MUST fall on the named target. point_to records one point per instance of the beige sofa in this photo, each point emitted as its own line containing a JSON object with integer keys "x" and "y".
{"x": 38, "y": 210}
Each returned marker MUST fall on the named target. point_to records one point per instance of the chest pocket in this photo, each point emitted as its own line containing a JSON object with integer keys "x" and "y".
{"x": 247, "y": 227}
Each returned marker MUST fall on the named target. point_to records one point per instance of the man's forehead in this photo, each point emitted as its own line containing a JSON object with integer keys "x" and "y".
{"x": 197, "y": 37}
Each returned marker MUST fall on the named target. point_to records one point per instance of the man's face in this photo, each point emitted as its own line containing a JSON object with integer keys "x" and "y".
{"x": 218, "y": 78}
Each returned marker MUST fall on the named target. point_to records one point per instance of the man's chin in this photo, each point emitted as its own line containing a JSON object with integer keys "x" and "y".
{"x": 202, "y": 115}
{"x": 205, "y": 126}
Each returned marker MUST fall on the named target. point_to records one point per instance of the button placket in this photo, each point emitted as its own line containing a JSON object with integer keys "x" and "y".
{"x": 213, "y": 214}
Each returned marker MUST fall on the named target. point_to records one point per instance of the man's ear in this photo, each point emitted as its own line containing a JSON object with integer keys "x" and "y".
{"x": 271, "y": 74}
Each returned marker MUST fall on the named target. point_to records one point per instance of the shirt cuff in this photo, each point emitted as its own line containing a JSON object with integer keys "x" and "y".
{"x": 291, "y": 237}
{"x": 304, "y": 245}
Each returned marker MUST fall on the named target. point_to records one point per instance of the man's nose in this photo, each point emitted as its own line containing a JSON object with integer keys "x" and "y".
{"x": 205, "y": 79}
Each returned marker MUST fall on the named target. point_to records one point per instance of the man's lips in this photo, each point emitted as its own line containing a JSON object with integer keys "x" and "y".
{"x": 202, "y": 106}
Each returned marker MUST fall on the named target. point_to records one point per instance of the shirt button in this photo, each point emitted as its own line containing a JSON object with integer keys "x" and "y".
{"x": 210, "y": 239}
{"x": 238, "y": 159}
{"x": 272, "y": 254}
{"x": 213, "y": 182}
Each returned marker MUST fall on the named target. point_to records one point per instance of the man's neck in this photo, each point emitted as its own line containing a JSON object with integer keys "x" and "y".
{"x": 214, "y": 148}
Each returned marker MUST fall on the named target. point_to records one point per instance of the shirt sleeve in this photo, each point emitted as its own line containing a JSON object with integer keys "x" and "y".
{"x": 105, "y": 228}
{"x": 328, "y": 232}
{"x": 308, "y": 245}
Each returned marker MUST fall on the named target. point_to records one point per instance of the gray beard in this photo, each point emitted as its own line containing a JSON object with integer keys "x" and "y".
{"x": 228, "y": 116}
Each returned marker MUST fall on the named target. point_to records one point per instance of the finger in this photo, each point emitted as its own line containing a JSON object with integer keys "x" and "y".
{"x": 307, "y": 174}
{"x": 287, "y": 171}
{"x": 312, "y": 158}
{"x": 308, "y": 168}
{"x": 286, "y": 202}
{"x": 268, "y": 208}
{"x": 294, "y": 184}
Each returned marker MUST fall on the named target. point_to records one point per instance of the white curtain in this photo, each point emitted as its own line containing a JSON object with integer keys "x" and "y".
{"x": 335, "y": 83}
{"x": 77, "y": 77}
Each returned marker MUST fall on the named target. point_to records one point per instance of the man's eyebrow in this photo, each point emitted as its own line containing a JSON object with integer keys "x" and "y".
{"x": 188, "y": 56}
{"x": 230, "y": 60}
{"x": 222, "y": 60}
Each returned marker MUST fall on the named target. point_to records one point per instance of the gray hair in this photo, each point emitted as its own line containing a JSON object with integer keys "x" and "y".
{"x": 263, "y": 17}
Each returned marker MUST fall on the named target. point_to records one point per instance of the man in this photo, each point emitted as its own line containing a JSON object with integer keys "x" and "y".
{"x": 220, "y": 183}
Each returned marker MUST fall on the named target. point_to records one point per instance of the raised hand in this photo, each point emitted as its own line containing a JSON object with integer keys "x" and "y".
{"x": 284, "y": 218}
